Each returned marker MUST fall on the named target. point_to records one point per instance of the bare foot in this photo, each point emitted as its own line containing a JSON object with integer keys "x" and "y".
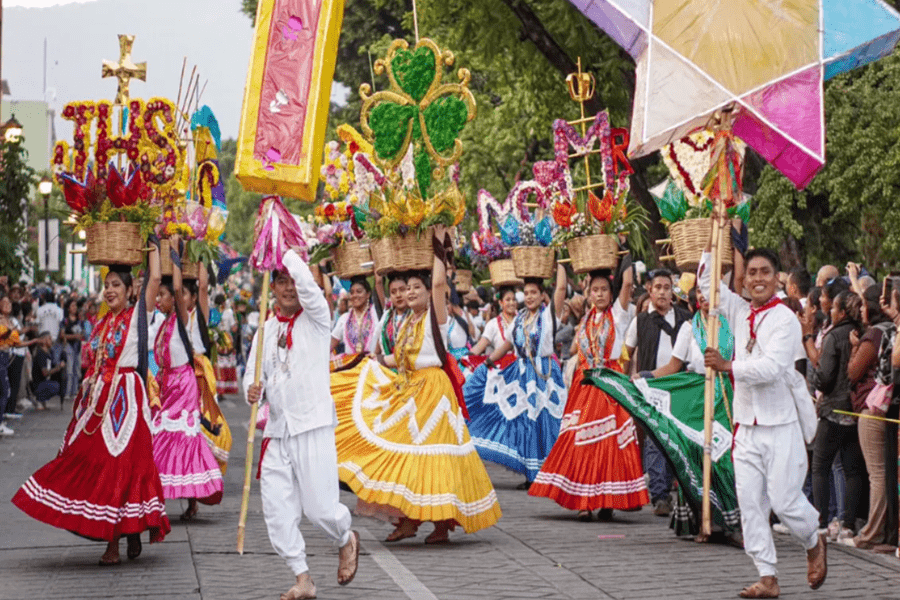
{"x": 406, "y": 529}
{"x": 111, "y": 556}
{"x": 766, "y": 587}
{"x": 349, "y": 559}
{"x": 302, "y": 590}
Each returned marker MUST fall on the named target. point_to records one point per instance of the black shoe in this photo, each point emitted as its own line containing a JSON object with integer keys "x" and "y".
{"x": 524, "y": 485}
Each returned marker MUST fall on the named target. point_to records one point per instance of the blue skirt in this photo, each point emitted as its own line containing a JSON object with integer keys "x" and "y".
{"x": 515, "y": 412}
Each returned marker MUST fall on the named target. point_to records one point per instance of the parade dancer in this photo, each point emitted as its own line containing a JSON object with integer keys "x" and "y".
{"x": 596, "y": 462}
{"x": 402, "y": 440}
{"x": 392, "y": 319}
{"x": 356, "y": 327}
{"x": 215, "y": 427}
{"x": 298, "y": 467}
{"x": 769, "y": 450}
{"x": 103, "y": 484}
{"x": 515, "y": 410}
{"x": 187, "y": 467}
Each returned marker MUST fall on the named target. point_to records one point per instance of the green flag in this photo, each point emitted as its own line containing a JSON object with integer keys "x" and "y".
{"x": 671, "y": 410}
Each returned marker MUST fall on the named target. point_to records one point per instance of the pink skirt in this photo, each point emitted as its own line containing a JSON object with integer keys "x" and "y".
{"x": 186, "y": 464}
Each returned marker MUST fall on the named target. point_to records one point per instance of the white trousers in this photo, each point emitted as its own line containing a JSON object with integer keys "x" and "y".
{"x": 299, "y": 476}
{"x": 770, "y": 466}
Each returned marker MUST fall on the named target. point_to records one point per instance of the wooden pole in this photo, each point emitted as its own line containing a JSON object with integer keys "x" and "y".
{"x": 712, "y": 327}
{"x": 251, "y": 434}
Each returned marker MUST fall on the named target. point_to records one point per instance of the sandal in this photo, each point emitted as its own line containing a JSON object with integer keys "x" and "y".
{"x": 761, "y": 590}
{"x": 403, "y": 531}
{"x": 305, "y": 591}
{"x": 585, "y": 516}
{"x": 353, "y": 560}
{"x": 191, "y": 511}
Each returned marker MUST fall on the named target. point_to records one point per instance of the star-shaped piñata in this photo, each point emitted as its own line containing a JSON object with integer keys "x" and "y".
{"x": 766, "y": 58}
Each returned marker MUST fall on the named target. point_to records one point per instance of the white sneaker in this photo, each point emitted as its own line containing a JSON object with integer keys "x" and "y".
{"x": 4, "y": 430}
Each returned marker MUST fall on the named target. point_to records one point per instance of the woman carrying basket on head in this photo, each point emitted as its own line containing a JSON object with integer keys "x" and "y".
{"x": 104, "y": 484}
{"x": 515, "y": 410}
{"x": 402, "y": 442}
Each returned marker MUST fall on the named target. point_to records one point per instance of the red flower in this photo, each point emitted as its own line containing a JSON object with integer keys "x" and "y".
{"x": 563, "y": 213}
{"x": 329, "y": 210}
{"x": 353, "y": 147}
{"x": 601, "y": 210}
{"x": 123, "y": 193}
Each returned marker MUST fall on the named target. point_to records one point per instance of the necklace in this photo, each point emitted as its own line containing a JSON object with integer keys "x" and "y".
{"x": 358, "y": 330}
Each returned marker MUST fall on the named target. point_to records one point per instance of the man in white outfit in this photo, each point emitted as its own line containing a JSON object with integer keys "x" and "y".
{"x": 769, "y": 453}
{"x": 299, "y": 465}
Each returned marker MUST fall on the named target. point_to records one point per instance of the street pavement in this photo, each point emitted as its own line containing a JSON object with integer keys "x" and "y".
{"x": 537, "y": 550}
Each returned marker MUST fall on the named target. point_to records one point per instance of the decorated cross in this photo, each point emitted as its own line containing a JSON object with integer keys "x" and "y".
{"x": 125, "y": 70}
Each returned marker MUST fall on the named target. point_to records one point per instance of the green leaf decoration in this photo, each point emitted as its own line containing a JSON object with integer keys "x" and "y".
{"x": 389, "y": 123}
{"x": 423, "y": 171}
{"x": 360, "y": 215}
{"x": 673, "y": 205}
{"x": 742, "y": 210}
{"x": 444, "y": 120}
{"x": 414, "y": 71}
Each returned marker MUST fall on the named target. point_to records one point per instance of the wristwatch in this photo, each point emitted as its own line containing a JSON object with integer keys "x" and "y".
{"x": 808, "y": 337}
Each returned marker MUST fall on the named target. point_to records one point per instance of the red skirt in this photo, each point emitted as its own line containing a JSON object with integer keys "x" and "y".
{"x": 595, "y": 462}
{"x": 103, "y": 483}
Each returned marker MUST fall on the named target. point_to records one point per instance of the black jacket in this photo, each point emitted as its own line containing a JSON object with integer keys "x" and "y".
{"x": 830, "y": 377}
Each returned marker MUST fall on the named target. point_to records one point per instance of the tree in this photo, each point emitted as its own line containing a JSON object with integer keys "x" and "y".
{"x": 17, "y": 181}
{"x": 519, "y": 54}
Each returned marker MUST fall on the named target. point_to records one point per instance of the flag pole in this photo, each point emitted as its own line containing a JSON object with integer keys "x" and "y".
{"x": 251, "y": 434}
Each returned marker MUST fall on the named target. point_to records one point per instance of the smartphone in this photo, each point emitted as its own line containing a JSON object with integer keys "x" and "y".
{"x": 886, "y": 290}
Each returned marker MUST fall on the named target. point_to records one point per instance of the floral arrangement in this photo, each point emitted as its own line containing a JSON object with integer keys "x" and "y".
{"x": 200, "y": 228}
{"x": 115, "y": 198}
{"x": 693, "y": 164}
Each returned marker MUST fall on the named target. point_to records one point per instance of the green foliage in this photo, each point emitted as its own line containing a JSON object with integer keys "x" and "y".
{"x": 17, "y": 181}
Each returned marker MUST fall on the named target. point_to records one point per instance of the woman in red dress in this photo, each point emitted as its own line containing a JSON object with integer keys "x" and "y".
{"x": 595, "y": 462}
{"x": 103, "y": 484}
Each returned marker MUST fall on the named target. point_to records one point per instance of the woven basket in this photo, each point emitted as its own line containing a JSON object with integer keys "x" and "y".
{"x": 503, "y": 272}
{"x": 382, "y": 255}
{"x": 690, "y": 238}
{"x": 189, "y": 270}
{"x": 114, "y": 243}
{"x": 533, "y": 261}
{"x": 593, "y": 252}
{"x": 352, "y": 259}
{"x": 463, "y": 280}
{"x": 399, "y": 253}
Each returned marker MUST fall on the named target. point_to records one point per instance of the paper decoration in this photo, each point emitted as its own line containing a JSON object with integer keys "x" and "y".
{"x": 287, "y": 96}
{"x": 276, "y": 231}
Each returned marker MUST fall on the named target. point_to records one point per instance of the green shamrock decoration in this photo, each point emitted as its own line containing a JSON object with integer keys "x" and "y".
{"x": 418, "y": 109}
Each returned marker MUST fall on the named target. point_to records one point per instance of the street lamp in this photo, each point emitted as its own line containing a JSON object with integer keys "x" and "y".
{"x": 12, "y": 130}
{"x": 45, "y": 187}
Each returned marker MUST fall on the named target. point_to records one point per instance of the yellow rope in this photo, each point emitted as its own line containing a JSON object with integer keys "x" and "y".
{"x": 862, "y": 416}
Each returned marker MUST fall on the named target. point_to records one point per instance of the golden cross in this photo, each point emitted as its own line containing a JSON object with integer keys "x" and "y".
{"x": 124, "y": 70}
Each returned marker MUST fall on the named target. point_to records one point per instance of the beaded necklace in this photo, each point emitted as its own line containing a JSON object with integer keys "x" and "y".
{"x": 598, "y": 334}
{"x": 358, "y": 330}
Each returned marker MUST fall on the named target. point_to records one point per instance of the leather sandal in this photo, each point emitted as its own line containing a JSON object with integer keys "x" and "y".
{"x": 762, "y": 589}
{"x": 349, "y": 563}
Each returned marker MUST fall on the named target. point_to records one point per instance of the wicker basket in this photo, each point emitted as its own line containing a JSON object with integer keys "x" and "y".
{"x": 352, "y": 259}
{"x": 381, "y": 255}
{"x": 114, "y": 243}
{"x": 533, "y": 261}
{"x": 189, "y": 270}
{"x": 463, "y": 280}
{"x": 690, "y": 238}
{"x": 503, "y": 272}
{"x": 410, "y": 252}
{"x": 593, "y": 252}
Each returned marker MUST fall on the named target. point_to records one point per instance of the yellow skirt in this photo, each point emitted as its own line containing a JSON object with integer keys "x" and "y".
{"x": 410, "y": 448}
{"x": 206, "y": 380}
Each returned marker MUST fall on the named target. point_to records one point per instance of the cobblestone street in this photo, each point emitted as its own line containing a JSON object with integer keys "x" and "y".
{"x": 536, "y": 551}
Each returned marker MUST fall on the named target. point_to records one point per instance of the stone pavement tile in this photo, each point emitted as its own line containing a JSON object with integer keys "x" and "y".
{"x": 73, "y": 570}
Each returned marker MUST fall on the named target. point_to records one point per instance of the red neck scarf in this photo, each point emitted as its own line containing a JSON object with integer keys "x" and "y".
{"x": 773, "y": 301}
{"x": 290, "y": 321}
